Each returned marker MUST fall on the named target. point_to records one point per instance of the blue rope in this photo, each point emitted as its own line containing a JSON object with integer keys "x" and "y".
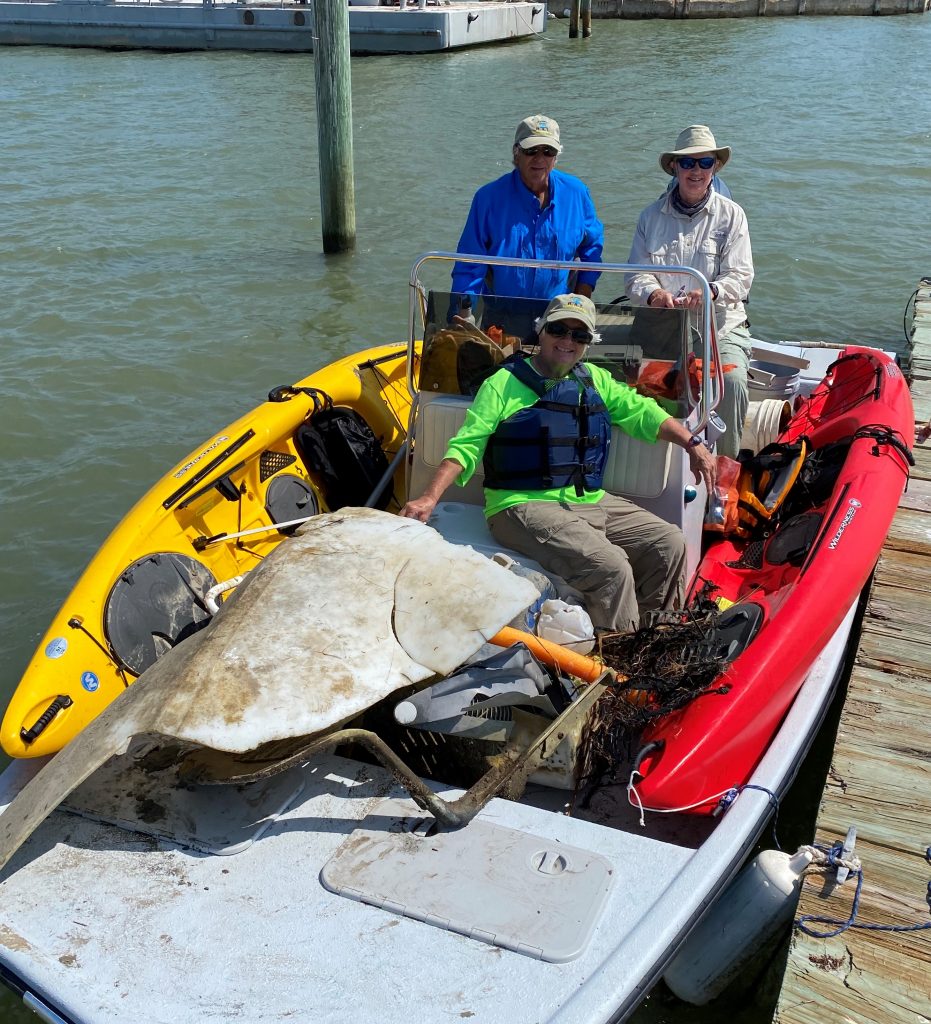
{"x": 731, "y": 795}
{"x": 834, "y": 855}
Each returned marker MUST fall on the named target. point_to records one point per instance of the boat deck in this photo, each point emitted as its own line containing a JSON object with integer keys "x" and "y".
{"x": 879, "y": 780}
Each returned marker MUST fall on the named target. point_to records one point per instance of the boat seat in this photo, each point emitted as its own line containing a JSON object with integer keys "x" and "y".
{"x": 635, "y": 470}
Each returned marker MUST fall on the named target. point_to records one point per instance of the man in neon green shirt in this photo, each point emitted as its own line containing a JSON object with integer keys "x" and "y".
{"x": 541, "y": 426}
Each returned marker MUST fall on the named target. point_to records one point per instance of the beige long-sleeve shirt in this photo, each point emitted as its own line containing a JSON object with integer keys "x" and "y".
{"x": 715, "y": 241}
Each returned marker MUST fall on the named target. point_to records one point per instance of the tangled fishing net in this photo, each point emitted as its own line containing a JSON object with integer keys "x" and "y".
{"x": 661, "y": 667}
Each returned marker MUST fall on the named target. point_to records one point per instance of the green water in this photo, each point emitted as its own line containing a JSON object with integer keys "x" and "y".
{"x": 160, "y": 230}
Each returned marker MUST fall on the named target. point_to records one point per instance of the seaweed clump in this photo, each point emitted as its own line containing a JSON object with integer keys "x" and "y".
{"x": 661, "y": 668}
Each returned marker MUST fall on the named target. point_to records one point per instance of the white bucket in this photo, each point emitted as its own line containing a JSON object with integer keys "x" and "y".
{"x": 765, "y": 421}
{"x": 771, "y": 380}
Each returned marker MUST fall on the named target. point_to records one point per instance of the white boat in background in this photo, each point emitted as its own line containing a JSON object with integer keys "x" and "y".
{"x": 425, "y": 26}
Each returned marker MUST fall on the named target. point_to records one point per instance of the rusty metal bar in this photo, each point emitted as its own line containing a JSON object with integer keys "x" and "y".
{"x": 450, "y": 814}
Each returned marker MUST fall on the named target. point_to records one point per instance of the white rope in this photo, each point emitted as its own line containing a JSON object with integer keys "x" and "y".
{"x": 210, "y": 598}
{"x": 822, "y": 861}
{"x": 633, "y": 798}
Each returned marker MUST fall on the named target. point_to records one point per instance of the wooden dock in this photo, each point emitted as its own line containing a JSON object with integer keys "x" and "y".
{"x": 880, "y": 781}
{"x": 749, "y": 8}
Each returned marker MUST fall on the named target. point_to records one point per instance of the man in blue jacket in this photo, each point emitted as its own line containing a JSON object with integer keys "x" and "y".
{"x": 533, "y": 212}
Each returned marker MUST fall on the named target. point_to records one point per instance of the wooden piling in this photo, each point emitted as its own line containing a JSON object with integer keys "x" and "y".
{"x": 879, "y": 780}
{"x": 586, "y": 18}
{"x": 334, "y": 124}
{"x": 574, "y": 12}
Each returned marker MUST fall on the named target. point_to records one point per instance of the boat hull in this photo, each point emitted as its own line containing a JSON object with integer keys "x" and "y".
{"x": 287, "y": 28}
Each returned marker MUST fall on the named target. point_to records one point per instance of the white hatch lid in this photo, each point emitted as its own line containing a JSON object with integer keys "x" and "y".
{"x": 525, "y": 893}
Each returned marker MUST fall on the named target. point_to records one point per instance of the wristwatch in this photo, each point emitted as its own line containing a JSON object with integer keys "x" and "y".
{"x": 693, "y": 442}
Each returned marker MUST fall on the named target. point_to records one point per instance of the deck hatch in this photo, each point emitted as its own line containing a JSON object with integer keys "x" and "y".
{"x": 522, "y": 892}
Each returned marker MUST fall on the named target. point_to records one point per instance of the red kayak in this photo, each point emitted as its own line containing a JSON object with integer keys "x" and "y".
{"x": 814, "y": 510}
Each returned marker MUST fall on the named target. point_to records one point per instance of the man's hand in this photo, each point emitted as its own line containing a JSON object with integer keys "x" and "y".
{"x": 661, "y": 299}
{"x": 704, "y": 465}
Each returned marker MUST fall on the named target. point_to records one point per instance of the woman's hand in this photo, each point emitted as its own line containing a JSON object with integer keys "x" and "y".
{"x": 419, "y": 508}
{"x": 422, "y": 508}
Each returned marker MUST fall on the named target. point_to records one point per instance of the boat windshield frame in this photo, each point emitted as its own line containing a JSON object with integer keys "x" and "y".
{"x": 712, "y": 384}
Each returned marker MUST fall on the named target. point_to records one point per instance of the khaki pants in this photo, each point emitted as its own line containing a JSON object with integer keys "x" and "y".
{"x": 734, "y": 347}
{"x": 623, "y": 560}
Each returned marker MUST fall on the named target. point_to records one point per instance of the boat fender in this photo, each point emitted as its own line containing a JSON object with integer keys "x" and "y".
{"x": 750, "y": 911}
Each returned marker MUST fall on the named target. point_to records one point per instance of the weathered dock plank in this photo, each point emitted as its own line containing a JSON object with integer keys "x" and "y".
{"x": 880, "y": 781}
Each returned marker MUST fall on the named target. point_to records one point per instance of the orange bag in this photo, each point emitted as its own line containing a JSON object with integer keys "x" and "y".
{"x": 722, "y": 515}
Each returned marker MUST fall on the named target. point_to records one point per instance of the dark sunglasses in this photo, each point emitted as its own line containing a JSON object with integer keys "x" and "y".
{"x": 688, "y": 162}
{"x": 557, "y": 329}
{"x": 546, "y": 151}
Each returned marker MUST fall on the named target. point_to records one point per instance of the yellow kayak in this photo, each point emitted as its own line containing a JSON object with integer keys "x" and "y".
{"x": 211, "y": 518}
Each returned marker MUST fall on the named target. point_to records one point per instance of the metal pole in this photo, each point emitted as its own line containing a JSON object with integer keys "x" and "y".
{"x": 334, "y": 124}
{"x": 574, "y": 19}
{"x": 586, "y": 18}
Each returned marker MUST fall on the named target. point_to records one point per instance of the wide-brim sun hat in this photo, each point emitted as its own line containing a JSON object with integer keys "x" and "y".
{"x": 570, "y": 307}
{"x": 537, "y": 130}
{"x": 697, "y": 138}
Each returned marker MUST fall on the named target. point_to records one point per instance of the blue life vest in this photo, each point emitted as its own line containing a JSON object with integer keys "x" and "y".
{"x": 562, "y": 439}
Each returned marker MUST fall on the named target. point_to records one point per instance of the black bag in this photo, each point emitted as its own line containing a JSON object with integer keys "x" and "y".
{"x": 340, "y": 446}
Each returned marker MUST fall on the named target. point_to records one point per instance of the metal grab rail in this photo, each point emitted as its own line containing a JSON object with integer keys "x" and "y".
{"x": 708, "y": 398}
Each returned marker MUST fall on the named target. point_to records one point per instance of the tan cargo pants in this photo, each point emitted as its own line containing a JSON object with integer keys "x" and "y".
{"x": 622, "y": 559}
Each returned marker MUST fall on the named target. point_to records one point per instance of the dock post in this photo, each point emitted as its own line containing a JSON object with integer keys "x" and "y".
{"x": 334, "y": 124}
{"x": 574, "y": 19}
{"x": 586, "y": 18}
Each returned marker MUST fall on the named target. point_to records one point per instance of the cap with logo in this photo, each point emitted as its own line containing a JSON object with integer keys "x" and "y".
{"x": 570, "y": 307}
{"x": 537, "y": 130}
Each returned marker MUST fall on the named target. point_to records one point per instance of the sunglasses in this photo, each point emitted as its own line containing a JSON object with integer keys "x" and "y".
{"x": 557, "y": 329}
{"x": 688, "y": 162}
{"x": 546, "y": 151}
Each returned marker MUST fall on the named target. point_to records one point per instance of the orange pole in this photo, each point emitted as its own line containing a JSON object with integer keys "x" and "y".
{"x": 551, "y": 653}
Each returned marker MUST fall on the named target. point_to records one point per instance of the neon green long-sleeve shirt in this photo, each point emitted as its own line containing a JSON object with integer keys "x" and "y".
{"x": 502, "y": 395}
